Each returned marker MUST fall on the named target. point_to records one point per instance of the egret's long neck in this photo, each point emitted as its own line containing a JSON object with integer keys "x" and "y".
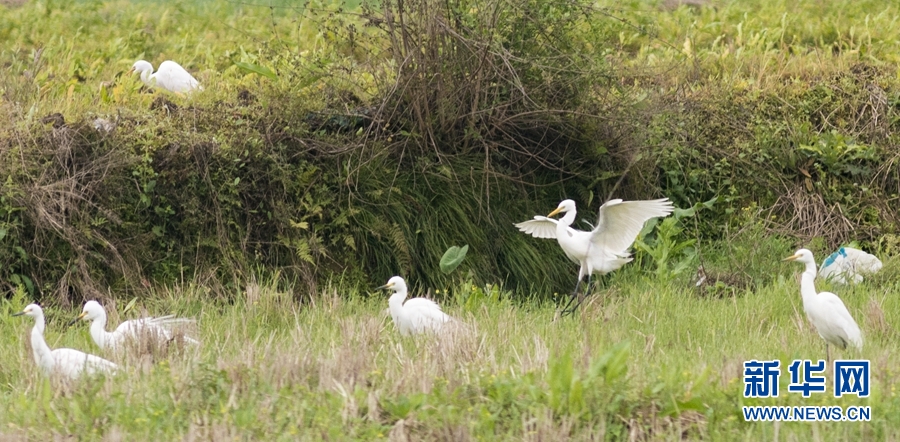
{"x": 146, "y": 76}
{"x": 395, "y": 303}
{"x": 98, "y": 331}
{"x": 807, "y": 281}
{"x": 42, "y": 355}
{"x": 567, "y": 220}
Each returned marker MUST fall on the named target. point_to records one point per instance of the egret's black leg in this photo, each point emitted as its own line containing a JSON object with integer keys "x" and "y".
{"x": 565, "y": 308}
{"x": 581, "y": 296}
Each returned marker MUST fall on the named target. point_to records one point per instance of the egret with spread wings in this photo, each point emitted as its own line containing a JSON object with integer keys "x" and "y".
{"x": 606, "y": 247}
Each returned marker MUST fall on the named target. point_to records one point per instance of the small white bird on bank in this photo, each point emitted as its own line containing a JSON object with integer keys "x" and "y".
{"x": 156, "y": 330}
{"x": 825, "y": 310}
{"x": 416, "y": 315}
{"x": 170, "y": 76}
{"x": 603, "y": 249}
{"x": 848, "y": 266}
{"x": 66, "y": 362}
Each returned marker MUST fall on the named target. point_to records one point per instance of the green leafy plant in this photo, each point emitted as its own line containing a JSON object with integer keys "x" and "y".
{"x": 453, "y": 257}
{"x": 671, "y": 254}
{"x": 837, "y": 153}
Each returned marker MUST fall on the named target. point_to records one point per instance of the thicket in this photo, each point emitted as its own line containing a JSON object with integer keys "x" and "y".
{"x": 424, "y": 125}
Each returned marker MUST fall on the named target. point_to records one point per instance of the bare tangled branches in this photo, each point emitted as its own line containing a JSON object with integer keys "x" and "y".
{"x": 63, "y": 183}
{"x": 476, "y": 81}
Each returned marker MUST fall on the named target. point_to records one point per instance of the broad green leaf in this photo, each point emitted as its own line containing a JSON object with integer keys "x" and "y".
{"x": 684, "y": 213}
{"x": 453, "y": 257}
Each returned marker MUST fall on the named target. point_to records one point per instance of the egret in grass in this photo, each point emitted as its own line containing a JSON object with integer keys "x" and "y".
{"x": 416, "y": 315}
{"x": 825, "y": 310}
{"x": 848, "y": 265}
{"x": 66, "y": 362}
{"x": 603, "y": 249}
{"x": 170, "y": 76}
{"x": 156, "y": 330}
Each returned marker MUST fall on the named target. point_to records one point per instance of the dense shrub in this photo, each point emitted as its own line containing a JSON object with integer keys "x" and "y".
{"x": 416, "y": 126}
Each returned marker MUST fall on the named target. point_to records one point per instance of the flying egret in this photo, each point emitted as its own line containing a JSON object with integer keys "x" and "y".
{"x": 170, "y": 76}
{"x": 603, "y": 249}
{"x": 65, "y": 361}
{"x": 848, "y": 265}
{"x": 157, "y": 330}
{"x": 415, "y": 315}
{"x": 825, "y": 310}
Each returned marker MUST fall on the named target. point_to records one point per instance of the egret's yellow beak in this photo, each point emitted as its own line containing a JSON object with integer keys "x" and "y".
{"x": 19, "y": 314}
{"x": 791, "y": 258}
{"x": 555, "y": 211}
{"x": 130, "y": 71}
{"x": 386, "y": 286}
{"x": 82, "y": 315}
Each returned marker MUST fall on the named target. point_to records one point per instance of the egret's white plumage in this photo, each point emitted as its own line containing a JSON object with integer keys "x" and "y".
{"x": 157, "y": 330}
{"x": 416, "y": 315}
{"x": 66, "y": 362}
{"x": 825, "y": 310}
{"x": 848, "y": 266}
{"x": 605, "y": 248}
{"x": 170, "y": 76}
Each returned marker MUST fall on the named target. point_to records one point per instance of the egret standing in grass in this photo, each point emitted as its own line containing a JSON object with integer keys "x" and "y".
{"x": 156, "y": 330}
{"x": 848, "y": 265}
{"x": 825, "y": 310}
{"x": 603, "y": 249}
{"x": 416, "y": 315}
{"x": 170, "y": 76}
{"x": 66, "y": 362}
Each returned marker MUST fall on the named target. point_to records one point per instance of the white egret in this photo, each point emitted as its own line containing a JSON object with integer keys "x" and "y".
{"x": 416, "y": 315}
{"x": 848, "y": 265}
{"x": 603, "y": 249}
{"x": 63, "y": 361}
{"x": 156, "y": 330}
{"x": 170, "y": 76}
{"x": 825, "y": 310}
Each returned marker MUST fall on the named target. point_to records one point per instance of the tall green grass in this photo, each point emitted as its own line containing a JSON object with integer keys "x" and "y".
{"x": 642, "y": 359}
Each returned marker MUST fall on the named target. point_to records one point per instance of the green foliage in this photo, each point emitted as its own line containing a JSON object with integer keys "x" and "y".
{"x": 470, "y": 297}
{"x": 356, "y": 140}
{"x": 453, "y": 257}
{"x": 837, "y": 154}
{"x": 267, "y": 369}
{"x": 261, "y": 70}
{"x": 671, "y": 253}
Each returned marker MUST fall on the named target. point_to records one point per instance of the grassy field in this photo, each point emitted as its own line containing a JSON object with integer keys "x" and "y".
{"x": 647, "y": 358}
{"x": 643, "y": 360}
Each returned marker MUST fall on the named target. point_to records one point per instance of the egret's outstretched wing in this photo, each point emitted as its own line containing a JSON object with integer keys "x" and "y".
{"x": 619, "y": 222}
{"x": 542, "y": 227}
{"x": 166, "y": 322}
{"x": 160, "y": 328}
